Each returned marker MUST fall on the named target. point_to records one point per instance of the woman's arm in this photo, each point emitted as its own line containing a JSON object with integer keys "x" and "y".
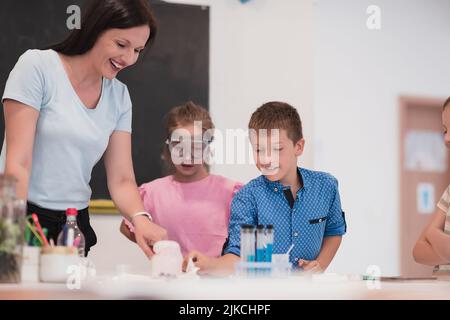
{"x": 124, "y": 192}
{"x": 439, "y": 240}
{"x": 20, "y": 128}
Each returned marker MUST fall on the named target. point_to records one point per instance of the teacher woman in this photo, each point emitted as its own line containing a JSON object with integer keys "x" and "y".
{"x": 64, "y": 109}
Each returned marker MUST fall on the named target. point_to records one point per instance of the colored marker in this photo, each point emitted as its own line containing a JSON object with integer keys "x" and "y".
{"x": 36, "y": 235}
{"x": 39, "y": 228}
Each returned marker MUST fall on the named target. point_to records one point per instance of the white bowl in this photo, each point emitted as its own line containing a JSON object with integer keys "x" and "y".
{"x": 57, "y": 265}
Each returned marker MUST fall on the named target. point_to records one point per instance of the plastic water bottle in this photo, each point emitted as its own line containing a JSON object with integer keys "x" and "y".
{"x": 71, "y": 235}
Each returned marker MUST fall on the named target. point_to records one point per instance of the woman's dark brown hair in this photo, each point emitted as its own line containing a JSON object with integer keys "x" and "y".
{"x": 102, "y": 15}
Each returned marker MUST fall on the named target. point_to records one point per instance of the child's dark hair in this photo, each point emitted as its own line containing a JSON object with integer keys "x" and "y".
{"x": 278, "y": 115}
{"x": 184, "y": 115}
{"x": 446, "y": 103}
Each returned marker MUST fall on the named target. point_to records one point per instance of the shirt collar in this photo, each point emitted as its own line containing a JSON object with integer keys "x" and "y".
{"x": 276, "y": 186}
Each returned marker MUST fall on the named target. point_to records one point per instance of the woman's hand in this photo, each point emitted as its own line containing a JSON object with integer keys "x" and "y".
{"x": 147, "y": 234}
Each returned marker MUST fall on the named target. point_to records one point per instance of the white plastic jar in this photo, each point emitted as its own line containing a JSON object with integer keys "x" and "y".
{"x": 167, "y": 260}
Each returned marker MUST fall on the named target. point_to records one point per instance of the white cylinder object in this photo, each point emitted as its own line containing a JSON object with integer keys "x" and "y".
{"x": 167, "y": 260}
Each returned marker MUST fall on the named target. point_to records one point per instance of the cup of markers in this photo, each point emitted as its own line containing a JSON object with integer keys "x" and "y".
{"x": 42, "y": 259}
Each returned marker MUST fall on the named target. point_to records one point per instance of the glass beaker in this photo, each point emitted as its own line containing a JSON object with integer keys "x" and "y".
{"x": 12, "y": 223}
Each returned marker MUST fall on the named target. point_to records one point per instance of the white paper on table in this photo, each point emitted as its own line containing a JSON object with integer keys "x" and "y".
{"x": 425, "y": 151}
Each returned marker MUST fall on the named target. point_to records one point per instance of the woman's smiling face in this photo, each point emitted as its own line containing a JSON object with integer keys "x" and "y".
{"x": 117, "y": 49}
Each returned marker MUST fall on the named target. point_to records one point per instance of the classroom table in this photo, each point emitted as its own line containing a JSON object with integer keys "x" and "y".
{"x": 233, "y": 288}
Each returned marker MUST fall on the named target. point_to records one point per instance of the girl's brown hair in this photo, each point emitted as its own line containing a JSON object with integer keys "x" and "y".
{"x": 184, "y": 115}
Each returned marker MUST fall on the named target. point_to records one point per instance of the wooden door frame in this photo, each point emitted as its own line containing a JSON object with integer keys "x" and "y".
{"x": 405, "y": 102}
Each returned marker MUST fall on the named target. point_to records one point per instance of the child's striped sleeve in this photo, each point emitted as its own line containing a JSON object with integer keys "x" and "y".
{"x": 444, "y": 202}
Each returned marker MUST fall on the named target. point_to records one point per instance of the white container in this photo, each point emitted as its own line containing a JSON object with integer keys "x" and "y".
{"x": 55, "y": 263}
{"x": 280, "y": 258}
{"x": 167, "y": 260}
{"x": 30, "y": 264}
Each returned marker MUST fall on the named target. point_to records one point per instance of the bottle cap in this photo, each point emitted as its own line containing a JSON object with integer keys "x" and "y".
{"x": 71, "y": 212}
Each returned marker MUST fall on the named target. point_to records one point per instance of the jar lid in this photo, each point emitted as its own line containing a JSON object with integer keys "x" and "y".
{"x": 165, "y": 246}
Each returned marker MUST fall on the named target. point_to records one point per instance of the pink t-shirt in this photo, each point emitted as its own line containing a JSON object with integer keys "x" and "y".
{"x": 195, "y": 214}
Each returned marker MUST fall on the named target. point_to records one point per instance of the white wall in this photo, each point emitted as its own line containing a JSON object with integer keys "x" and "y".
{"x": 358, "y": 77}
{"x": 260, "y": 51}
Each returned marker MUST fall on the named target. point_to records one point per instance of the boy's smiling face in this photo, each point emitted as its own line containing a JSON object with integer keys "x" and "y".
{"x": 276, "y": 154}
{"x": 446, "y": 125}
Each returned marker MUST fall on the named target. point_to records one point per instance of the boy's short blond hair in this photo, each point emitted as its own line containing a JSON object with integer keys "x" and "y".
{"x": 278, "y": 115}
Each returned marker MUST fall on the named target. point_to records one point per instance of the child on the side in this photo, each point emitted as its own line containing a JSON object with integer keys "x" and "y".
{"x": 433, "y": 246}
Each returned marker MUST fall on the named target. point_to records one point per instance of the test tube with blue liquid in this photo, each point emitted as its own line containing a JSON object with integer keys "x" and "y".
{"x": 260, "y": 247}
{"x": 247, "y": 244}
{"x": 260, "y": 244}
{"x": 269, "y": 243}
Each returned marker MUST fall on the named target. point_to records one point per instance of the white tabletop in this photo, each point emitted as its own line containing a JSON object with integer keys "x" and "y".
{"x": 294, "y": 287}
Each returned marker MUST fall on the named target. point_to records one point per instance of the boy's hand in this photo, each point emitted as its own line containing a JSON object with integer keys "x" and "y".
{"x": 201, "y": 261}
{"x": 311, "y": 266}
{"x": 147, "y": 234}
{"x": 127, "y": 232}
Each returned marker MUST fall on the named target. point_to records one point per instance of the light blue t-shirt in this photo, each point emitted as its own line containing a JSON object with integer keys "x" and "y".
{"x": 70, "y": 138}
